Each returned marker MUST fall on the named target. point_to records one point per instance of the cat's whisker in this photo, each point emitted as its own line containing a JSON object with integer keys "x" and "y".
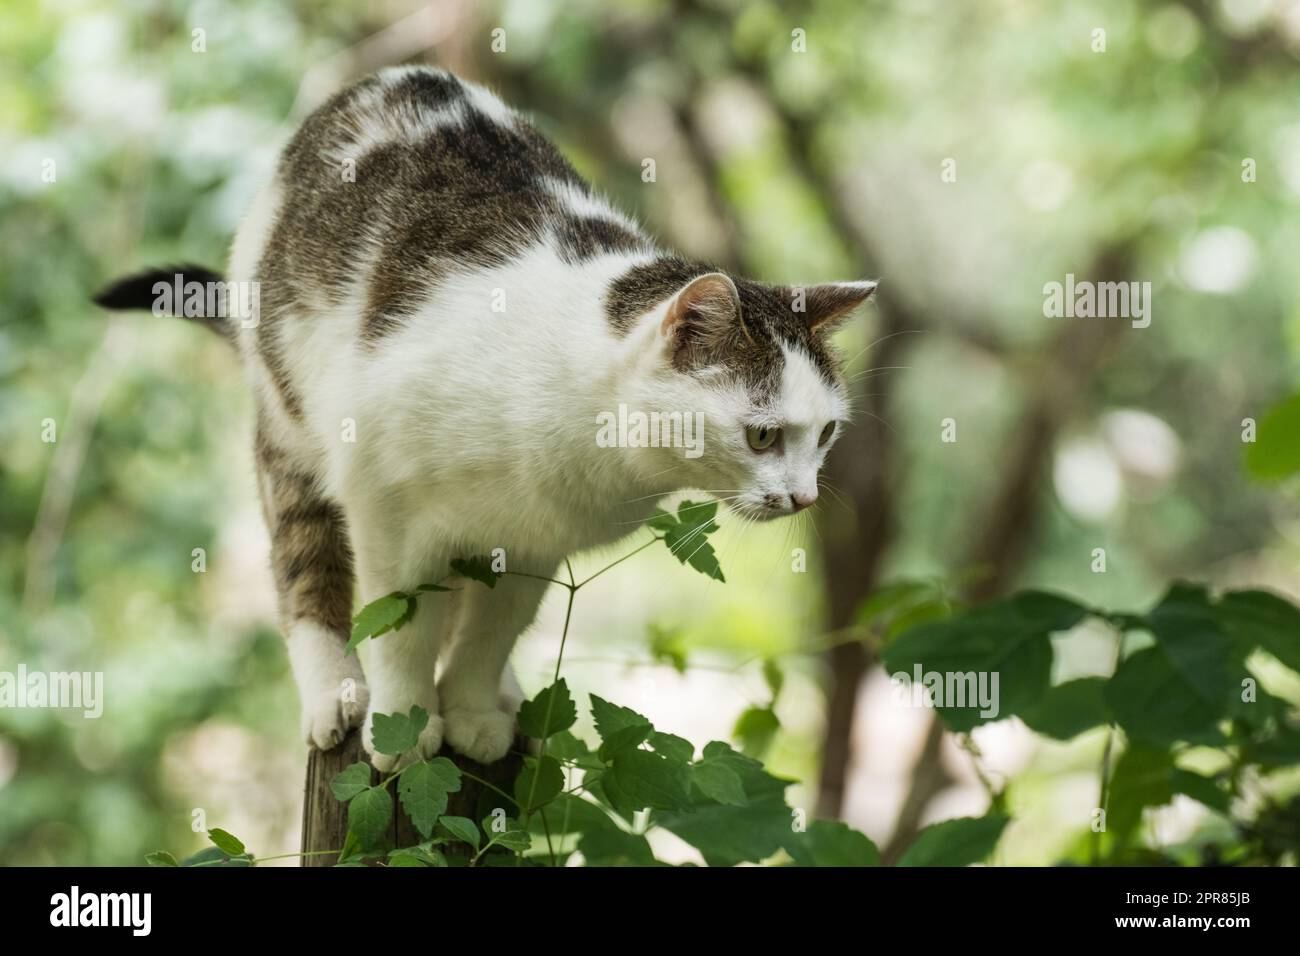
{"x": 693, "y": 533}
{"x": 658, "y": 474}
{"x": 673, "y": 467}
{"x": 745, "y": 524}
{"x": 883, "y": 338}
{"x": 673, "y": 491}
{"x": 811, "y": 523}
{"x": 684, "y": 541}
{"x": 881, "y": 420}
{"x": 839, "y": 496}
{"x": 702, "y": 544}
{"x": 866, "y": 373}
{"x": 720, "y": 500}
{"x": 657, "y": 494}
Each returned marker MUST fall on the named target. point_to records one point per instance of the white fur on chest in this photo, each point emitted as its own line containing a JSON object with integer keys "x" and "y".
{"x": 478, "y": 417}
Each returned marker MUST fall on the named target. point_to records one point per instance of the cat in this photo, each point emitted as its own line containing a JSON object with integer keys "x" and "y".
{"x": 445, "y": 310}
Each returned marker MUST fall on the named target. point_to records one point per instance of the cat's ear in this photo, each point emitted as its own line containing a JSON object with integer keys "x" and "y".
{"x": 701, "y": 318}
{"x": 825, "y": 306}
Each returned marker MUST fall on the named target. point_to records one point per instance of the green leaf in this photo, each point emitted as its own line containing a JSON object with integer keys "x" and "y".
{"x": 225, "y": 842}
{"x": 1154, "y": 703}
{"x": 1260, "y": 713}
{"x": 1261, "y": 619}
{"x": 629, "y": 738}
{"x": 538, "y": 783}
{"x": 350, "y": 781}
{"x": 668, "y": 647}
{"x": 1204, "y": 790}
{"x": 619, "y": 727}
{"x": 569, "y": 813}
{"x": 891, "y": 598}
{"x": 958, "y": 842}
{"x": 212, "y": 856}
{"x": 1009, "y": 639}
{"x": 726, "y": 835}
{"x": 1143, "y": 778}
{"x": 477, "y": 568}
{"x": 1069, "y": 709}
{"x": 394, "y": 734}
{"x": 831, "y": 843}
{"x": 717, "y": 780}
{"x": 774, "y": 677}
{"x": 550, "y": 712}
{"x": 351, "y": 849}
{"x": 161, "y": 858}
{"x": 686, "y": 535}
{"x": 564, "y": 746}
{"x": 517, "y": 840}
{"x": 661, "y": 521}
{"x": 380, "y": 616}
{"x": 672, "y": 746}
{"x": 643, "y": 779}
{"x": 747, "y": 767}
{"x": 423, "y": 854}
{"x": 611, "y": 846}
{"x": 409, "y": 857}
{"x": 611, "y": 718}
{"x": 423, "y": 789}
{"x": 940, "y": 609}
{"x": 463, "y": 829}
{"x": 1186, "y": 628}
{"x": 755, "y": 728}
{"x": 507, "y": 833}
{"x": 1275, "y": 452}
{"x": 369, "y": 814}
{"x": 1280, "y": 749}
{"x": 897, "y": 607}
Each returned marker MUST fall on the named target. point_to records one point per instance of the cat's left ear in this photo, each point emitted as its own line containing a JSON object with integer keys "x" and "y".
{"x": 703, "y": 320}
{"x": 825, "y": 306}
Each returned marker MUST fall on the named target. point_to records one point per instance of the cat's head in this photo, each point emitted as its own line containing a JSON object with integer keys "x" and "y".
{"x": 754, "y": 364}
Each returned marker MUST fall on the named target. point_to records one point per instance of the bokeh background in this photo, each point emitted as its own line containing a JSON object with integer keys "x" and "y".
{"x": 964, "y": 154}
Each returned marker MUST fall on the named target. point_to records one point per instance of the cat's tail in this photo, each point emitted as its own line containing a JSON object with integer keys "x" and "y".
{"x": 185, "y": 291}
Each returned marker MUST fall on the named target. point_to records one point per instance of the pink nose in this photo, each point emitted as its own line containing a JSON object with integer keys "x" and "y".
{"x": 799, "y": 501}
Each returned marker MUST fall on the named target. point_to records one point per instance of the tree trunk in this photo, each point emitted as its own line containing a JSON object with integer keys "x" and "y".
{"x": 853, "y": 549}
{"x": 1005, "y": 534}
{"x": 325, "y": 819}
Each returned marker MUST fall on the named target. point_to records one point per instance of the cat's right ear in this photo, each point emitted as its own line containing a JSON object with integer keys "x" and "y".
{"x": 701, "y": 320}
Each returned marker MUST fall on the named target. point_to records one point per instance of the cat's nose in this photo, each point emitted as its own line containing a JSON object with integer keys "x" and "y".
{"x": 799, "y": 500}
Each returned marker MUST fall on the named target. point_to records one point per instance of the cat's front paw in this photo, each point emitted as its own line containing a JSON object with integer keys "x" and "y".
{"x": 329, "y": 712}
{"x": 482, "y": 735}
{"x": 428, "y": 745}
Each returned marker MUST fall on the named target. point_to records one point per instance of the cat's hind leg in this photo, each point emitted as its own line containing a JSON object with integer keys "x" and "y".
{"x": 312, "y": 561}
{"x": 401, "y": 663}
{"x": 401, "y": 666}
{"x": 478, "y": 705}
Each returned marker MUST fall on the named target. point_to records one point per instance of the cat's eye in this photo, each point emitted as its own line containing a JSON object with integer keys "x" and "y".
{"x": 761, "y": 438}
{"x": 826, "y": 434}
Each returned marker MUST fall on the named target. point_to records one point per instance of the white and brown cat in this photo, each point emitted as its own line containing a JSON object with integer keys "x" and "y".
{"x": 430, "y": 269}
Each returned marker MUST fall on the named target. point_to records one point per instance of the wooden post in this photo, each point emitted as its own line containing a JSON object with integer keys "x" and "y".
{"x": 325, "y": 820}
